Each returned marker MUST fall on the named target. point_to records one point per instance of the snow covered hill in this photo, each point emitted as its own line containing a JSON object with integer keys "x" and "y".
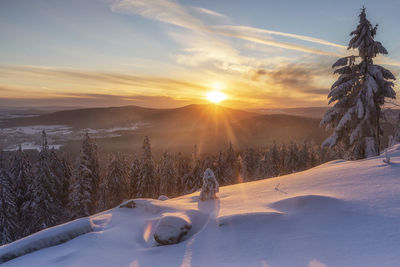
{"x": 337, "y": 214}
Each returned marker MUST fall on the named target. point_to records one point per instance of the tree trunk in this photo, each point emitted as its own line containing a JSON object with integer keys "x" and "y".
{"x": 378, "y": 111}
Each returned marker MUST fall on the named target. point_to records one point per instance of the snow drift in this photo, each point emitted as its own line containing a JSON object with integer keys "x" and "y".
{"x": 337, "y": 214}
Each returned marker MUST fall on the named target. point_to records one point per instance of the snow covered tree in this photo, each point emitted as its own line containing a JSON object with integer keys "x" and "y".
{"x": 22, "y": 179}
{"x": 359, "y": 94}
{"x": 232, "y": 166}
{"x": 46, "y": 208}
{"x": 264, "y": 166}
{"x": 210, "y": 186}
{"x": 147, "y": 186}
{"x": 219, "y": 167}
{"x": 62, "y": 171}
{"x": 275, "y": 160}
{"x": 313, "y": 156}
{"x": 102, "y": 202}
{"x": 283, "y": 164}
{"x": 249, "y": 164}
{"x": 134, "y": 177}
{"x": 167, "y": 176}
{"x": 182, "y": 166}
{"x": 293, "y": 158}
{"x": 9, "y": 223}
{"x": 85, "y": 181}
{"x": 304, "y": 157}
{"x": 192, "y": 180}
{"x": 117, "y": 182}
{"x": 80, "y": 188}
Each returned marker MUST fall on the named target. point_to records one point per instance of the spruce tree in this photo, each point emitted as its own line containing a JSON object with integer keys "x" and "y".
{"x": 283, "y": 164}
{"x": 62, "y": 171}
{"x": 219, "y": 169}
{"x": 359, "y": 94}
{"x": 167, "y": 176}
{"x": 79, "y": 197}
{"x": 85, "y": 181}
{"x": 9, "y": 223}
{"x": 232, "y": 166}
{"x": 304, "y": 157}
{"x": 249, "y": 164}
{"x": 193, "y": 180}
{"x": 263, "y": 169}
{"x": 293, "y": 158}
{"x": 45, "y": 206}
{"x": 275, "y": 160}
{"x": 183, "y": 169}
{"x": 22, "y": 180}
{"x": 117, "y": 181}
{"x": 134, "y": 177}
{"x": 147, "y": 186}
{"x": 102, "y": 194}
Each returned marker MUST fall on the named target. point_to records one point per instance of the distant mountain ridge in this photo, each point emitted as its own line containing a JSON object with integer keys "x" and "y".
{"x": 209, "y": 126}
{"x": 116, "y": 116}
{"x": 313, "y": 112}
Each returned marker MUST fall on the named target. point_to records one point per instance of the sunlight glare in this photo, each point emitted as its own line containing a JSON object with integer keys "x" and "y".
{"x": 216, "y": 96}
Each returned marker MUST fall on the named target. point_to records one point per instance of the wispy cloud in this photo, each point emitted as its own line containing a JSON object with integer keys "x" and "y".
{"x": 34, "y": 81}
{"x": 209, "y": 12}
{"x": 160, "y": 10}
{"x": 243, "y": 30}
{"x": 266, "y": 40}
{"x": 171, "y": 12}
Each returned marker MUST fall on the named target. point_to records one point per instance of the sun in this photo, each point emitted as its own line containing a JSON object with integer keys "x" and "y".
{"x": 216, "y": 96}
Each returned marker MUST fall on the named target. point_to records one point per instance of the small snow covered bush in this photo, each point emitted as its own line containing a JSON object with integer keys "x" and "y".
{"x": 162, "y": 197}
{"x": 210, "y": 186}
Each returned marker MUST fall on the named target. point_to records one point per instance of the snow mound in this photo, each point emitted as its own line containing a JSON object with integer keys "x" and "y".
{"x": 306, "y": 203}
{"x": 46, "y": 238}
{"x": 171, "y": 228}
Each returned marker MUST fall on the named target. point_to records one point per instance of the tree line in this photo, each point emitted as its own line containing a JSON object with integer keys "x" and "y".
{"x": 53, "y": 190}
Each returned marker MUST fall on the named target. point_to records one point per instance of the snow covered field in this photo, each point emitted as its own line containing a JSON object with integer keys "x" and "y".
{"x": 337, "y": 214}
{"x": 30, "y": 136}
{"x": 30, "y": 146}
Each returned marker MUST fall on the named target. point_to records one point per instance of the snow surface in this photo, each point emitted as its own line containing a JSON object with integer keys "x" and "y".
{"x": 31, "y": 146}
{"x": 46, "y": 238}
{"x": 341, "y": 213}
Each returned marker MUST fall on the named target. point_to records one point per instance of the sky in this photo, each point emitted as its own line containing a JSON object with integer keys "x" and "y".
{"x": 165, "y": 53}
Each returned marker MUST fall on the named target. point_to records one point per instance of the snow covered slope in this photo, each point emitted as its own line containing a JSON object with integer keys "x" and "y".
{"x": 337, "y": 214}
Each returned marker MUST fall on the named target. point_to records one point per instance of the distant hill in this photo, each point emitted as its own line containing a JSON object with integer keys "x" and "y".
{"x": 116, "y": 116}
{"x": 281, "y": 128}
{"x": 87, "y": 118}
{"x": 313, "y": 112}
{"x": 209, "y": 126}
